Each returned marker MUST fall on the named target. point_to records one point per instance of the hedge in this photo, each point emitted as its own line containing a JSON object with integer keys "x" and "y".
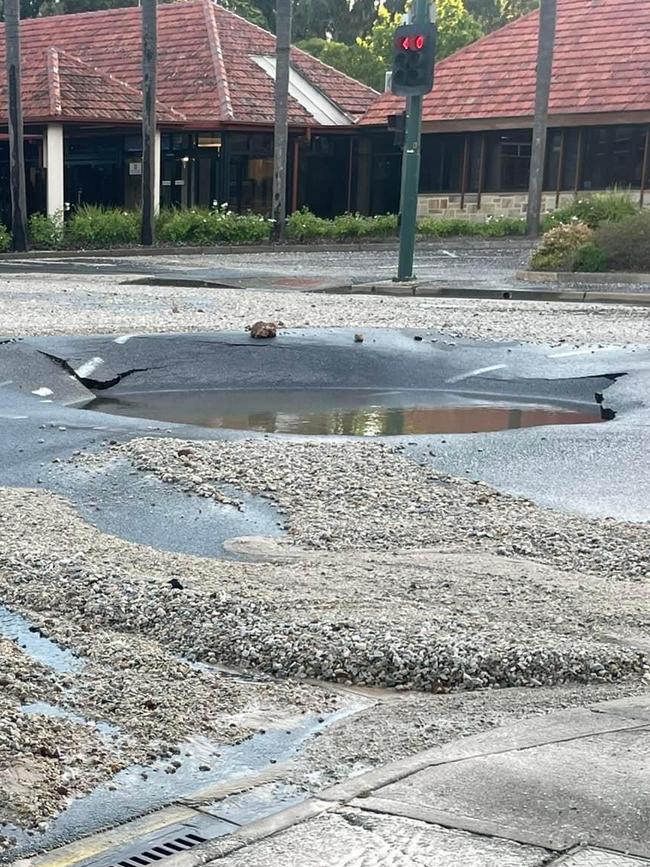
{"x": 95, "y": 227}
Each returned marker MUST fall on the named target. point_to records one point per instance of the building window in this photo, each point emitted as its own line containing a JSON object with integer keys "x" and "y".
{"x": 613, "y": 156}
{"x": 514, "y": 159}
{"x": 441, "y": 163}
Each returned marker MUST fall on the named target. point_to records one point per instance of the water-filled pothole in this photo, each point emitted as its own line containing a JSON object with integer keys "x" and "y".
{"x": 345, "y": 411}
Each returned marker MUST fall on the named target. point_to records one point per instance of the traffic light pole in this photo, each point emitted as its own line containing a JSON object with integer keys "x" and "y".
{"x": 411, "y": 169}
{"x": 409, "y": 192}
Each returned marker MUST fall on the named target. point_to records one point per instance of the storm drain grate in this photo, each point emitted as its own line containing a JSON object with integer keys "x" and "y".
{"x": 160, "y": 851}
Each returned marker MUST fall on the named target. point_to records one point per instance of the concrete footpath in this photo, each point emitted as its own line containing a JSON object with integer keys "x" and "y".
{"x": 571, "y": 788}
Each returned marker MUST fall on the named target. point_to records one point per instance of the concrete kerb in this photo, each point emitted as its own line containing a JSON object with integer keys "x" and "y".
{"x": 569, "y": 725}
{"x": 428, "y": 290}
{"x": 605, "y": 278}
{"x": 417, "y": 289}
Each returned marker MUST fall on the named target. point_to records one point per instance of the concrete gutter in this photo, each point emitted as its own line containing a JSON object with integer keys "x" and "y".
{"x": 577, "y": 726}
{"x": 596, "y": 278}
{"x": 428, "y": 290}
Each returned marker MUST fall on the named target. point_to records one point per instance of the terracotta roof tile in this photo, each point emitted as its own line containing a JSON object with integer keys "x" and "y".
{"x": 602, "y": 64}
{"x": 206, "y": 71}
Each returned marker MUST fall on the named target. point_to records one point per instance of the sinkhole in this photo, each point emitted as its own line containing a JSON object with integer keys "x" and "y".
{"x": 362, "y": 412}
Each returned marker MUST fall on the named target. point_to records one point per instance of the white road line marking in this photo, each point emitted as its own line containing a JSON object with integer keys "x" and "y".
{"x": 476, "y": 372}
{"x": 6, "y": 382}
{"x": 42, "y": 392}
{"x": 449, "y": 253}
{"x": 89, "y": 366}
{"x": 123, "y": 338}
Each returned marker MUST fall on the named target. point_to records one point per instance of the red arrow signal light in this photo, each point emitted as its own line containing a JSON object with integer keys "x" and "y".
{"x": 410, "y": 43}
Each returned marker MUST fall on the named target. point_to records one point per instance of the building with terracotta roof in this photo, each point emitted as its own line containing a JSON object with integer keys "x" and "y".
{"x": 82, "y": 103}
{"x": 216, "y": 74}
{"x": 477, "y": 120}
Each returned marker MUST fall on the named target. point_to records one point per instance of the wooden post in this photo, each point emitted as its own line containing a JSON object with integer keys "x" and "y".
{"x": 350, "y": 159}
{"x": 281, "y": 130}
{"x": 464, "y": 173}
{"x": 644, "y": 168}
{"x": 546, "y": 41}
{"x": 579, "y": 158}
{"x": 15, "y": 117}
{"x": 481, "y": 171}
{"x": 149, "y": 62}
{"x": 560, "y": 171}
{"x": 295, "y": 181}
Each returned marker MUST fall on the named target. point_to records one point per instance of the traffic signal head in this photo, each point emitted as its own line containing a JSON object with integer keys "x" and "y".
{"x": 414, "y": 54}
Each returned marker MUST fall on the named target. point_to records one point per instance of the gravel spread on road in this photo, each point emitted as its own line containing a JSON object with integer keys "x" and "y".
{"x": 60, "y": 304}
{"x": 390, "y": 575}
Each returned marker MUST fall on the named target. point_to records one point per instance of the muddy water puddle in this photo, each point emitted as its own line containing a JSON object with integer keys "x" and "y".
{"x": 196, "y": 764}
{"x": 345, "y": 411}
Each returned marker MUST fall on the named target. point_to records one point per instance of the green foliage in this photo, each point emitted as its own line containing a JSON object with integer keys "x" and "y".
{"x": 356, "y": 60}
{"x": 499, "y": 227}
{"x": 305, "y": 226}
{"x": 442, "y": 227}
{"x": 256, "y": 13}
{"x": 456, "y": 27}
{"x": 626, "y": 244}
{"x": 608, "y": 207}
{"x": 45, "y": 233}
{"x": 367, "y": 58}
{"x": 492, "y": 14}
{"x": 5, "y": 239}
{"x": 96, "y": 227}
{"x": 494, "y": 227}
{"x": 202, "y": 227}
{"x": 357, "y": 226}
{"x": 557, "y": 247}
{"x": 589, "y": 257}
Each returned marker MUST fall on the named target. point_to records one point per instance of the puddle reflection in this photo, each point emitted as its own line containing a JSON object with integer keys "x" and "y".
{"x": 343, "y": 412}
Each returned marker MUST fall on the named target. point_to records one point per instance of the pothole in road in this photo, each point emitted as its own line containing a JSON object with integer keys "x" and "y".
{"x": 347, "y": 411}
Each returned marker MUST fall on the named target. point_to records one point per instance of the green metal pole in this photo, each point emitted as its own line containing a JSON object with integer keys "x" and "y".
{"x": 411, "y": 170}
{"x": 410, "y": 180}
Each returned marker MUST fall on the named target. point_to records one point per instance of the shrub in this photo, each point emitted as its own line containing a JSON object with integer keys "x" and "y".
{"x": 5, "y": 239}
{"x": 358, "y": 226}
{"x": 443, "y": 227}
{"x": 626, "y": 244}
{"x": 348, "y": 226}
{"x": 93, "y": 226}
{"x": 594, "y": 210}
{"x": 382, "y": 225}
{"x": 500, "y": 227}
{"x": 557, "y": 247}
{"x": 45, "y": 233}
{"x": 305, "y": 226}
{"x": 589, "y": 257}
{"x": 202, "y": 227}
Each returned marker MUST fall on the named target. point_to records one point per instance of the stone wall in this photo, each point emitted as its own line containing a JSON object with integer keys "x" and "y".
{"x": 493, "y": 204}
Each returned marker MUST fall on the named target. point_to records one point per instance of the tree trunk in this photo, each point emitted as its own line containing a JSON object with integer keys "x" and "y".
{"x": 16, "y": 147}
{"x": 149, "y": 60}
{"x": 547, "y": 17}
{"x": 281, "y": 131}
